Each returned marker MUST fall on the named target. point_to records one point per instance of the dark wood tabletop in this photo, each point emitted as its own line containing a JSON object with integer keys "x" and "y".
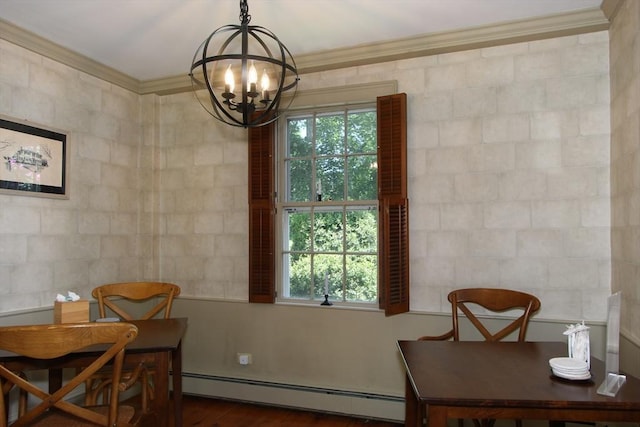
{"x": 506, "y": 380}
{"x": 158, "y": 334}
{"x": 153, "y": 335}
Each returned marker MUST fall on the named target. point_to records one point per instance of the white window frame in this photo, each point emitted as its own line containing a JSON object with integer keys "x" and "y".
{"x": 355, "y": 96}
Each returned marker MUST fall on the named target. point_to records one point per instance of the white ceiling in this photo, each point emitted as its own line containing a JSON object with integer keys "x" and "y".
{"x": 153, "y": 39}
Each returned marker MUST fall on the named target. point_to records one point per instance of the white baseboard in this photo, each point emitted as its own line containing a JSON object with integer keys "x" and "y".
{"x": 292, "y": 396}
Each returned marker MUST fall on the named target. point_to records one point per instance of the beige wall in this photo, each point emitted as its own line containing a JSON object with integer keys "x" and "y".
{"x": 50, "y": 246}
{"x": 625, "y": 175}
{"x": 508, "y": 177}
{"x": 509, "y": 182}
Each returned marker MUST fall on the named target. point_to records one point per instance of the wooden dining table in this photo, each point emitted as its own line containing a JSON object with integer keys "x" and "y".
{"x": 159, "y": 342}
{"x": 505, "y": 380}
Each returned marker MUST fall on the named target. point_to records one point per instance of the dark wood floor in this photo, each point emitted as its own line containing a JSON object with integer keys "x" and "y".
{"x": 206, "y": 412}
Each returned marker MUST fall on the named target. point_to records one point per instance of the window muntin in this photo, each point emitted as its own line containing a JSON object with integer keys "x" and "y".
{"x": 329, "y": 215}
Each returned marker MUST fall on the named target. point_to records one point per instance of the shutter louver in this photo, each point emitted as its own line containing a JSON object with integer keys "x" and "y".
{"x": 261, "y": 215}
{"x": 394, "y": 206}
{"x": 395, "y": 274}
{"x": 261, "y": 164}
{"x": 392, "y": 146}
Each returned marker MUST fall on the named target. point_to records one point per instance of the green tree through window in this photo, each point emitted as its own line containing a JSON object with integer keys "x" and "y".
{"x": 329, "y": 209}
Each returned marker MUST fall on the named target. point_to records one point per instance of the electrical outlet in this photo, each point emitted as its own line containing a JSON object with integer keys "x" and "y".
{"x": 244, "y": 358}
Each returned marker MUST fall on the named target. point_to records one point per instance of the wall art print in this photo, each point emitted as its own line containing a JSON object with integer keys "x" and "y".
{"x": 34, "y": 159}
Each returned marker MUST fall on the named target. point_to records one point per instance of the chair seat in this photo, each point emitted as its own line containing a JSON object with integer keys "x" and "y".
{"x": 54, "y": 418}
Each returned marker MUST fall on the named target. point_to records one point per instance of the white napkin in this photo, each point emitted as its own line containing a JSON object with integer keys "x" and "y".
{"x": 71, "y": 296}
{"x": 578, "y": 342}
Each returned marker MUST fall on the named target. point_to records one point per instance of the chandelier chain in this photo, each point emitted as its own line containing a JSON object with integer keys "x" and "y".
{"x": 245, "y": 18}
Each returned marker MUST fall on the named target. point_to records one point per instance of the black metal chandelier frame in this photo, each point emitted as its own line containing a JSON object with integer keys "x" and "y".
{"x": 254, "y": 107}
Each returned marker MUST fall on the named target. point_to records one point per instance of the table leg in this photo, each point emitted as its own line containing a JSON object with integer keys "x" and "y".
{"x": 176, "y": 368}
{"x": 412, "y": 408}
{"x": 55, "y": 380}
{"x": 161, "y": 389}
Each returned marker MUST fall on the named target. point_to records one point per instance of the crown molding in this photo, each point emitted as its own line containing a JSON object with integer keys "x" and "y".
{"x": 466, "y": 39}
{"x": 166, "y": 86}
{"x": 44, "y": 47}
{"x": 610, "y": 8}
{"x": 573, "y": 23}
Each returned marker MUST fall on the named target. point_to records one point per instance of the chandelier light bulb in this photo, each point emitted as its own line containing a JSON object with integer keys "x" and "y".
{"x": 253, "y": 74}
{"x": 252, "y": 80}
{"x": 229, "y": 81}
{"x": 264, "y": 85}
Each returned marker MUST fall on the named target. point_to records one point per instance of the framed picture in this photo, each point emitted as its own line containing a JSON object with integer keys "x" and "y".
{"x": 34, "y": 160}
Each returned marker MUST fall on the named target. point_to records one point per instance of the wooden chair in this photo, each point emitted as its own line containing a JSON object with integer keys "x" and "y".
{"x": 107, "y": 295}
{"x": 492, "y": 300}
{"x": 111, "y": 298}
{"x": 53, "y": 341}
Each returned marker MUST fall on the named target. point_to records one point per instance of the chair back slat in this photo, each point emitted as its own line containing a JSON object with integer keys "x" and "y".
{"x": 110, "y": 296}
{"x": 493, "y": 300}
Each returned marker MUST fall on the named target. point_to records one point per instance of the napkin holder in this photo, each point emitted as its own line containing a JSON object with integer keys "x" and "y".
{"x": 71, "y": 311}
{"x": 613, "y": 381}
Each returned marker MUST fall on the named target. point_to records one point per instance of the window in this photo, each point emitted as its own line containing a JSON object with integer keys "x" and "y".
{"x": 343, "y": 204}
{"x": 328, "y": 207}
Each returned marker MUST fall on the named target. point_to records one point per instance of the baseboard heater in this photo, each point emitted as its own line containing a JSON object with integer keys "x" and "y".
{"x": 356, "y": 403}
{"x": 308, "y": 389}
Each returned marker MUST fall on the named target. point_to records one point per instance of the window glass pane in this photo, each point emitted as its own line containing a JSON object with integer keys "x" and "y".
{"x": 361, "y": 279}
{"x": 361, "y": 132}
{"x": 362, "y": 231}
{"x": 328, "y": 231}
{"x": 299, "y": 180}
{"x": 299, "y": 236}
{"x": 330, "y": 173}
{"x": 300, "y": 136}
{"x": 330, "y": 135}
{"x": 299, "y": 275}
{"x": 363, "y": 177}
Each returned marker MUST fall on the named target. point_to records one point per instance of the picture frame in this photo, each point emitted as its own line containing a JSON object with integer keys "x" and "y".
{"x": 34, "y": 159}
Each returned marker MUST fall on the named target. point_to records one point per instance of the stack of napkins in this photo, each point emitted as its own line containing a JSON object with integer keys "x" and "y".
{"x": 570, "y": 368}
{"x": 578, "y": 341}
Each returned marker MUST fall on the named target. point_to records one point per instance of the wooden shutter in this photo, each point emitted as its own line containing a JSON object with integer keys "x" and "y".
{"x": 393, "y": 248}
{"x": 261, "y": 215}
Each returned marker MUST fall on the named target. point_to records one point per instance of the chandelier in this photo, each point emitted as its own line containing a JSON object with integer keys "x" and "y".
{"x": 246, "y": 52}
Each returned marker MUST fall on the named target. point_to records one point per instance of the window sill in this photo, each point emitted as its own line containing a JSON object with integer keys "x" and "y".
{"x": 335, "y": 305}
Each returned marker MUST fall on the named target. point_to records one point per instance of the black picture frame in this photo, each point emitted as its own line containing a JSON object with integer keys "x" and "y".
{"x": 34, "y": 159}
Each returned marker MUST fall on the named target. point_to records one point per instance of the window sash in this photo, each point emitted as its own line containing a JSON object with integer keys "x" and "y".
{"x": 305, "y": 151}
{"x": 341, "y": 291}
